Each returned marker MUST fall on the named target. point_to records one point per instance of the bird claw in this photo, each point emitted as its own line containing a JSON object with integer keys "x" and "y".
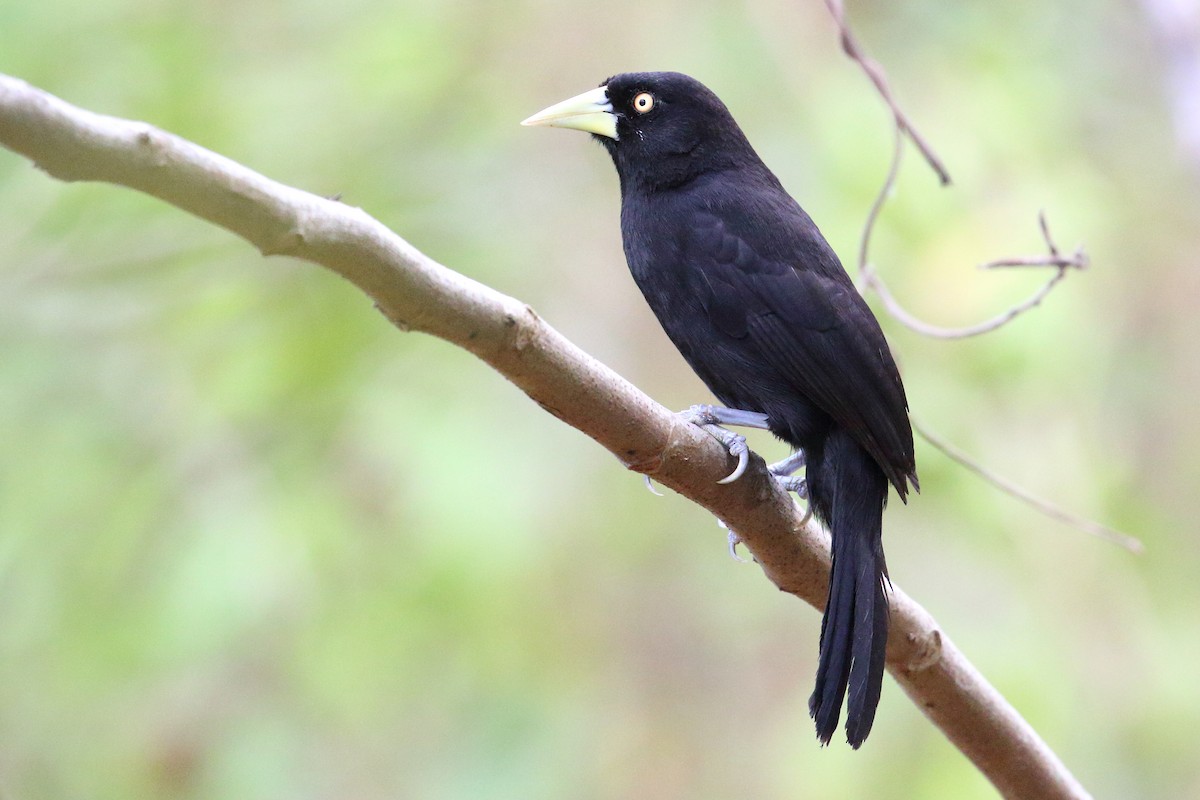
{"x": 783, "y": 471}
{"x": 790, "y": 483}
{"x": 711, "y": 418}
{"x": 650, "y": 486}
{"x": 734, "y": 541}
{"x": 735, "y": 443}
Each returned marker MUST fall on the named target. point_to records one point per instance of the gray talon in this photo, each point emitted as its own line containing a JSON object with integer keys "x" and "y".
{"x": 734, "y": 541}
{"x": 650, "y": 486}
{"x": 743, "y": 462}
{"x": 800, "y": 487}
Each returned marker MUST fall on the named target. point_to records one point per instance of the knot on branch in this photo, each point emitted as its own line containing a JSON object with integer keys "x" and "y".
{"x": 927, "y": 650}
{"x": 152, "y": 145}
{"x": 285, "y": 244}
{"x": 523, "y": 329}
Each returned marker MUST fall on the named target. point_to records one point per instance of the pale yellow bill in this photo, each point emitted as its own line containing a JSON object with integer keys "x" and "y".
{"x": 590, "y": 111}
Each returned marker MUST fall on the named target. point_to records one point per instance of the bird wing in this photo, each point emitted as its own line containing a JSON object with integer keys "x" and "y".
{"x": 805, "y": 318}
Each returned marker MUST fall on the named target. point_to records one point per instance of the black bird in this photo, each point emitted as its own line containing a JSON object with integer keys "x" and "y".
{"x": 760, "y": 307}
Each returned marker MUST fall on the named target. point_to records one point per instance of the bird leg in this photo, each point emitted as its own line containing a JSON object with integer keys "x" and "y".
{"x": 711, "y": 418}
{"x": 784, "y": 472}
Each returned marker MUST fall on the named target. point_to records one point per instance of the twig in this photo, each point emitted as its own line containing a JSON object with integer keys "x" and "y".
{"x": 903, "y": 316}
{"x": 875, "y": 72}
{"x": 1077, "y": 260}
{"x": 868, "y": 277}
{"x": 1130, "y": 543}
{"x": 415, "y": 292}
{"x": 866, "y": 272}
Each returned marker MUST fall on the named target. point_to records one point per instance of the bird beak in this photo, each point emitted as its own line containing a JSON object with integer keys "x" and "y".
{"x": 590, "y": 111}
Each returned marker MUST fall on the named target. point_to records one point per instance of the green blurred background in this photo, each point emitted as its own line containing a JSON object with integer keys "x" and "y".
{"x": 256, "y": 543}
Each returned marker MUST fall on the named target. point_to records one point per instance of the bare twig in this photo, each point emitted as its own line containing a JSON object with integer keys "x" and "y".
{"x": 866, "y": 271}
{"x": 415, "y": 292}
{"x": 875, "y": 72}
{"x": 1130, "y": 543}
{"x": 868, "y": 277}
{"x": 1077, "y": 261}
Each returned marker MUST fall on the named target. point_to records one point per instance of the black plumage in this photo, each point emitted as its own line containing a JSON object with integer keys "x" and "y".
{"x": 757, "y": 302}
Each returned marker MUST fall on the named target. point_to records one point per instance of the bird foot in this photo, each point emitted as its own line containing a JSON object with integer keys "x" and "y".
{"x": 790, "y": 483}
{"x": 782, "y": 472}
{"x": 711, "y": 418}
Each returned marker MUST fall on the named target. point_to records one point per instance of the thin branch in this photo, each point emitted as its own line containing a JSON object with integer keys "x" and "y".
{"x": 1130, "y": 543}
{"x": 416, "y": 293}
{"x": 875, "y": 72}
{"x": 903, "y": 316}
{"x": 866, "y": 272}
{"x": 868, "y": 277}
{"x": 1077, "y": 260}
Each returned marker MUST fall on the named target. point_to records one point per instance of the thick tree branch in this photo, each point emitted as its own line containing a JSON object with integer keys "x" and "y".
{"x": 416, "y": 293}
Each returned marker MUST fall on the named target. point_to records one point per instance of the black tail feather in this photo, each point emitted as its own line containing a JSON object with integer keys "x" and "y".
{"x": 870, "y": 649}
{"x": 850, "y": 492}
{"x": 833, "y": 669}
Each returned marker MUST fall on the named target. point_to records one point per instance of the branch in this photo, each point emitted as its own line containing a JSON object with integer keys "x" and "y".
{"x": 1130, "y": 543}
{"x": 868, "y": 276}
{"x": 1077, "y": 260}
{"x": 875, "y": 72}
{"x": 416, "y": 293}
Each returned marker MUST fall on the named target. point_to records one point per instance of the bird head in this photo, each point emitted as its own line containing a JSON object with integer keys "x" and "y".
{"x": 661, "y": 128}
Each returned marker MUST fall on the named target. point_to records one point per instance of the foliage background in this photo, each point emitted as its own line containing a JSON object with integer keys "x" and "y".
{"x": 256, "y": 543}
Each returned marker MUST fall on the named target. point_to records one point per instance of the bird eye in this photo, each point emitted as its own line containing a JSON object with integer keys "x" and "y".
{"x": 643, "y": 102}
